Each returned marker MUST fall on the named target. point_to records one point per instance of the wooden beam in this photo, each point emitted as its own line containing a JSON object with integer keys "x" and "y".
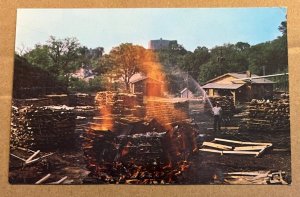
{"x": 43, "y": 179}
{"x": 59, "y": 181}
{"x": 261, "y": 152}
{"x": 241, "y": 152}
{"x": 211, "y": 150}
{"x": 32, "y": 156}
{"x": 240, "y": 142}
{"x": 218, "y": 146}
{"x": 249, "y": 147}
{"x": 246, "y": 173}
{"x": 15, "y": 156}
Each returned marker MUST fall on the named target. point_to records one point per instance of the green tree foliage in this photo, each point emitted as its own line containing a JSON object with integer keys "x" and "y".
{"x": 171, "y": 56}
{"x": 192, "y": 61}
{"x": 125, "y": 60}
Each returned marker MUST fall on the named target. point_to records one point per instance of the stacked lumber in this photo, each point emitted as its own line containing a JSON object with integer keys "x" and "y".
{"x": 165, "y": 112}
{"x": 47, "y": 127}
{"x": 225, "y": 102}
{"x": 38, "y": 102}
{"x": 58, "y": 99}
{"x": 262, "y": 115}
{"x": 233, "y": 147}
{"x": 81, "y": 99}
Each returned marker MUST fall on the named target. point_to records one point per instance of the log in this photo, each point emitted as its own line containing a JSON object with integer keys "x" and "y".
{"x": 43, "y": 179}
{"x": 218, "y": 146}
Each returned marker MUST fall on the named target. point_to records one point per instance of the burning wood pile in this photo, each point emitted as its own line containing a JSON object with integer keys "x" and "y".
{"x": 151, "y": 156}
{"x": 262, "y": 115}
{"x": 225, "y": 102}
{"x": 45, "y": 127}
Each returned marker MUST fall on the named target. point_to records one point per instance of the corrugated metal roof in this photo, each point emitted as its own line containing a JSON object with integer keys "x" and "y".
{"x": 222, "y": 86}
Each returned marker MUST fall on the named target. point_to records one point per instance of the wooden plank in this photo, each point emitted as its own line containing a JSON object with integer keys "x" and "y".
{"x": 37, "y": 159}
{"x": 218, "y": 146}
{"x": 59, "y": 181}
{"x": 43, "y": 179}
{"x": 246, "y": 173}
{"x": 240, "y": 152}
{"x": 261, "y": 152}
{"x": 32, "y": 156}
{"x": 17, "y": 157}
{"x": 249, "y": 147}
{"x": 211, "y": 150}
{"x": 240, "y": 142}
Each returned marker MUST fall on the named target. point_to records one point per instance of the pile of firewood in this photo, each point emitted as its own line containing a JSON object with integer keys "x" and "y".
{"x": 225, "y": 102}
{"x": 45, "y": 127}
{"x": 265, "y": 115}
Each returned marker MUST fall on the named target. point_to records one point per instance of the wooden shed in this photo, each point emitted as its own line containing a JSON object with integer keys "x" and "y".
{"x": 241, "y": 86}
{"x": 146, "y": 85}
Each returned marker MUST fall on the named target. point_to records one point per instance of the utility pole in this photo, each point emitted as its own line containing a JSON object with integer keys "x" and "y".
{"x": 187, "y": 84}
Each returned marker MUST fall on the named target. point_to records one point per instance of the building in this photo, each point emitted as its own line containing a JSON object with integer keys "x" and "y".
{"x": 186, "y": 93}
{"x": 160, "y": 44}
{"x": 146, "y": 85}
{"x": 238, "y": 86}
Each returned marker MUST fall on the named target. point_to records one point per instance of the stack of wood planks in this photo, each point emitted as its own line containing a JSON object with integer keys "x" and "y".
{"x": 47, "y": 127}
{"x": 81, "y": 99}
{"x": 233, "y": 147}
{"x": 266, "y": 116}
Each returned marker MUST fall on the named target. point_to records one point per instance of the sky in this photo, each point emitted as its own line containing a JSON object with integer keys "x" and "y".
{"x": 191, "y": 27}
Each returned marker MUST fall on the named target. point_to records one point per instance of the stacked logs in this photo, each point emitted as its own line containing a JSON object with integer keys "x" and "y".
{"x": 262, "y": 115}
{"x": 43, "y": 128}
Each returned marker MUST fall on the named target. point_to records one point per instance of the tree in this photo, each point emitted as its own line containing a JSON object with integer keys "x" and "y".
{"x": 125, "y": 60}
{"x": 193, "y": 61}
{"x": 171, "y": 56}
{"x": 283, "y": 28}
{"x": 64, "y": 54}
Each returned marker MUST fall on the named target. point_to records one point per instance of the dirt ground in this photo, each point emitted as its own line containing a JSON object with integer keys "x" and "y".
{"x": 209, "y": 167}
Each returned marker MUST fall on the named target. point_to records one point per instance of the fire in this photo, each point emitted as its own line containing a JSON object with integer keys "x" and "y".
{"x": 106, "y": 122}
{"x": 164, "y": 115}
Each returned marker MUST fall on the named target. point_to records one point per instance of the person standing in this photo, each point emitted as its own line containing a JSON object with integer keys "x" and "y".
{"x": 217, "y": 110}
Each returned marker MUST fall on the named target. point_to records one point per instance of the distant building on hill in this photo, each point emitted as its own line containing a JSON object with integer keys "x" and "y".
{"x": 160, "y": 44}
